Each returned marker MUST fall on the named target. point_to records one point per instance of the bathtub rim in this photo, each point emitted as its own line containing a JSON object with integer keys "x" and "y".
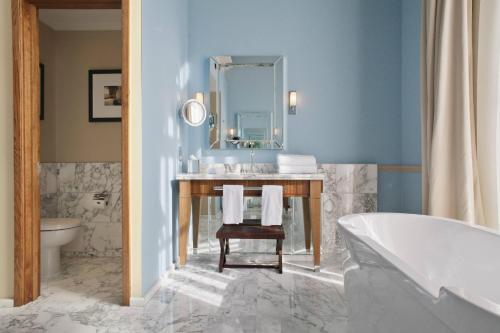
{"x": 433, "y": 289}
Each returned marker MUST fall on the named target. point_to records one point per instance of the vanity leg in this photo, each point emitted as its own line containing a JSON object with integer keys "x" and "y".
{"x": 315, "y": 188}
{"x": 184, "y": 217}
{"x": 307, "y": 223}
{"x": 196, "y": 222}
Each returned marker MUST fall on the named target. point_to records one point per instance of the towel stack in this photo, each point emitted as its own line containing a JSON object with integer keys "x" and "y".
{"x": 296, "y": 163}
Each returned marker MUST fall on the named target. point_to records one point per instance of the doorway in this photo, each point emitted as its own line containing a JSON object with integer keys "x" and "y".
{"x": 27, "y": 141}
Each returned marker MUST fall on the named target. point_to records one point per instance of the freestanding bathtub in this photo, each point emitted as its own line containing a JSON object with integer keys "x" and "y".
{"x": 415, "y": 273}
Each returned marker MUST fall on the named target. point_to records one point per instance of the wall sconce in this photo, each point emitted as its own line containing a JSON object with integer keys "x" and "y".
{"x": 292, "y": 102}
{"x": 199, "y": 97}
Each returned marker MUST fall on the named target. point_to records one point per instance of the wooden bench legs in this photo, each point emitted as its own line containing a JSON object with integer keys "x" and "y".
{"x": 224, "y": 250}
{"x": 279, "y": 252}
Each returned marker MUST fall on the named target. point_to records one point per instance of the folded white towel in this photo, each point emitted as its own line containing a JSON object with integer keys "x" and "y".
{"x": 288, "y": 159}
{"x": 297, "y": 169}
{"x": 272, "y": 205}
{"x": 232, "y": 204}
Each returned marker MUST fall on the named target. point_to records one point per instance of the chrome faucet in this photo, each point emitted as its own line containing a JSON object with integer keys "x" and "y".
{"x": 252, "y": 159}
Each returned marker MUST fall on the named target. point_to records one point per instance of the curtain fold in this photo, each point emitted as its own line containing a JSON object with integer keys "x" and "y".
{"x": 450, "y": 180}
{"x": 488, "y": 107}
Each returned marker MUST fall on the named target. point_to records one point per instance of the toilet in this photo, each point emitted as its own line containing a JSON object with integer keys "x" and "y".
{"x": 55, "y": 232}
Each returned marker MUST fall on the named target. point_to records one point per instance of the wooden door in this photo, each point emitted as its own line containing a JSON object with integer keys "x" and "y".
{"x": 26, "y": 83}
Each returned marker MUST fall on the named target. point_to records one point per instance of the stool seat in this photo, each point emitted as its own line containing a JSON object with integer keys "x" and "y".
{"x": 250, "y": 230}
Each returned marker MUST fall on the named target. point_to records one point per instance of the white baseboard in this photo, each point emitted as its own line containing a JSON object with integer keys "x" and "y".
{"x": 142, "y": 301}
{"x": 6, "y": 303}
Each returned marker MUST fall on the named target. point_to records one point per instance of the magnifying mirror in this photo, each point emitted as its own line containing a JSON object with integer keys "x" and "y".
{"x": 194, "y": 112}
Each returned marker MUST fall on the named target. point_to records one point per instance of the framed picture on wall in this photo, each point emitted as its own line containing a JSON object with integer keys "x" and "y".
{"x": 105, "y": 95}
{"x": 42, "y": 91}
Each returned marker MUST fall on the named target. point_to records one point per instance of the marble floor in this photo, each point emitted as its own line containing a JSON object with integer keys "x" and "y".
{"x": 196, "y": 298}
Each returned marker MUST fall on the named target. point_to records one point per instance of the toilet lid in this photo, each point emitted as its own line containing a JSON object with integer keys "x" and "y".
{"x": 59, "y": 224}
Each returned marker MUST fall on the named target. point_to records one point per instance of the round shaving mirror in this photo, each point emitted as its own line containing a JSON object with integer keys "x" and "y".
{"x": 194, "y": 112}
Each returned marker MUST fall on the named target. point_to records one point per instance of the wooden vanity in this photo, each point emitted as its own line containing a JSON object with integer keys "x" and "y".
{"x": 193, "y": 187}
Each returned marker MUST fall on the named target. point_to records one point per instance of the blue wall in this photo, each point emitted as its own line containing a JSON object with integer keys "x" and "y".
{"x": 410, "y": 105}
{"x": 344, "y": 59}
{"x": 164, "y": 85}
{"x": 355, "y": 67}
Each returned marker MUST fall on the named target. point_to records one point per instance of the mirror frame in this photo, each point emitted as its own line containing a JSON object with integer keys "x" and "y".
{"x": 215, "y": 129}
{"x": 184, "y": 109}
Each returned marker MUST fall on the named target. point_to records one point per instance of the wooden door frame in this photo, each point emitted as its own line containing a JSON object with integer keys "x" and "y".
{"x": 25, "y": 44}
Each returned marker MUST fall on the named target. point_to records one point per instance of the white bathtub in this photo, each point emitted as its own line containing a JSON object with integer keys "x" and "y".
{"x": 428, "y": 274}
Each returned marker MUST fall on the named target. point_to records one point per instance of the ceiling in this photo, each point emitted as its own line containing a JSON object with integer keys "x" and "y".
{"x": 81, "y": 19}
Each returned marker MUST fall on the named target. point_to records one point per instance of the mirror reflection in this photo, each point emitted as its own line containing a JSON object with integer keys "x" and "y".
{"x": 194, "y": 112}
{"x": 248, "y": 100}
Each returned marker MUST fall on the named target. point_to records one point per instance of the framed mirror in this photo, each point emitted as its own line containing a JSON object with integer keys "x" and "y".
{"x": 248, "y": 101}
{"x": 194, "y": 113}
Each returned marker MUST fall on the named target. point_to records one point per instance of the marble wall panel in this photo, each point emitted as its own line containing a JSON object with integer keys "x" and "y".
{"x": 67, "y": 190}
{"x": 48, "y": 205}
{"x": 89, "y": 177}
{"x": 48, "y": 178}
{"x": 348, "y": 189}
{"x": 96, "y": 239}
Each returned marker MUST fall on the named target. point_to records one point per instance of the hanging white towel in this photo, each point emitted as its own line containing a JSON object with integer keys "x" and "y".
{"x": 232, "y": 204}
{"x": 272, "y": 205}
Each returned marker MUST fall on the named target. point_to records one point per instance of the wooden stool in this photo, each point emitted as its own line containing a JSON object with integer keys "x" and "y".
{"x": 250, "y": 231}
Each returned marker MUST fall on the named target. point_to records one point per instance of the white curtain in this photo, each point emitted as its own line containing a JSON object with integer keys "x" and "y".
{"x": 488, "y": 109}
{"x": 460, "y": 73}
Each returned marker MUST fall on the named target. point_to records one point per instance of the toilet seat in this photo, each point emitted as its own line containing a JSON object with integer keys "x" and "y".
{"x": 54, "y": 224}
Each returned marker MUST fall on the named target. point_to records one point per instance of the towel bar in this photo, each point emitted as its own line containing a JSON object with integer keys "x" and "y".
{"x": 245, "y": 188}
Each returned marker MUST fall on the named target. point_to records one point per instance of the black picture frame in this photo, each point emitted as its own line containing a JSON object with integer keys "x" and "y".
{"x": 93, "y": 72}
{"x": 42, "y": 91}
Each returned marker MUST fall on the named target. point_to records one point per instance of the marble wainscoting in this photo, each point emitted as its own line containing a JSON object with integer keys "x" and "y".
{"x": 347, "y": 189}
{"x": 48, "y": 189}
{"x": 67, "y": 190}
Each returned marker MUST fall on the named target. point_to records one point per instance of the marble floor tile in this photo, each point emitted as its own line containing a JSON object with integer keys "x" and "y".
{"x": 195, "y": 298}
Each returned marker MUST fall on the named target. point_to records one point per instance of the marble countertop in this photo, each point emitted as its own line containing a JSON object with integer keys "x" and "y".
{"x": 250, "y": 176}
